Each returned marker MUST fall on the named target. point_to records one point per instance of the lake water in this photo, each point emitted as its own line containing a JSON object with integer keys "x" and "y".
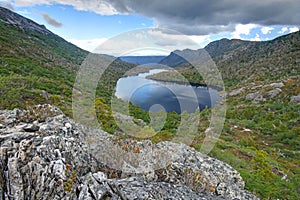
{"x": 156, "y": 95}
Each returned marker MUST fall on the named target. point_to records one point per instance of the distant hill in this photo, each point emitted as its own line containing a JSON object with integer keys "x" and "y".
{"x": 176, "y": 58}
{"x": 223, "y": 46}
{"x": 269, "y": 60}
{"x": 237, "y": 59}
{"x": 215, "y": 49}
{"x": 141, "y": 60}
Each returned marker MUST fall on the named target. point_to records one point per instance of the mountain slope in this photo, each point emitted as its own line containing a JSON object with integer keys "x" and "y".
{"x": 215, "y": 49}
{"x": 35, "y": 41}
{"x": 239, "y": 60}
{"x": 269, "y": 60}
{"x": 33, "y": 59}
{"x": 37, "y": 66}
{"x": 178, "y": 58}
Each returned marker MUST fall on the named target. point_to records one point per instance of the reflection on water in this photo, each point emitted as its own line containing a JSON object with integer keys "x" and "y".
{"x": 171, "y": 96}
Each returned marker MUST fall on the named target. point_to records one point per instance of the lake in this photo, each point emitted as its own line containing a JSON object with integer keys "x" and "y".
{"x": 153, "y": 95}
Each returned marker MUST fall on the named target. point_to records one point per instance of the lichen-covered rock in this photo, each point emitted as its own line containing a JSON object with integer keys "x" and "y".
{"x": 237, "y": 91}
{"x": 46, "y": 155}
{"x": 295, "y": 99}
{"x": 277, "y": 85}
{"x": 274, "y": 93}
{"x": 255, "y": 97}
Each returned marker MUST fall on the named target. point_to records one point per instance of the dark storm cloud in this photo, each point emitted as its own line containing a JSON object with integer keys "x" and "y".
{"x": 51, "y": 21}
{"x": 204, "y": 16}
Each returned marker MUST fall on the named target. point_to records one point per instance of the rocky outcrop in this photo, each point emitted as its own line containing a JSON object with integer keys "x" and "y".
{"x": 276, "y": 85}
{"x": 255, "y": 97}
{"x": 237, "y": 91}
{"x": 295, "y": 99}
{"x": 23, "y": 23}
{"x": 46, "y": 155}
{"x": 259, "y": 93}
{"x": 274, "y": 93}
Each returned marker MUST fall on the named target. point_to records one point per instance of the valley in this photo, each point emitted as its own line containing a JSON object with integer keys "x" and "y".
{"x": 261, "y": 134}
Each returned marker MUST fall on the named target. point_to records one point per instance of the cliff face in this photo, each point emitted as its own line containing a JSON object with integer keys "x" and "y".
{"x": 45, "y": 155}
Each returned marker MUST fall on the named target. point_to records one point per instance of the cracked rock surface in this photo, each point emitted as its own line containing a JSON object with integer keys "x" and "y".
{"x": 46, "y": 155}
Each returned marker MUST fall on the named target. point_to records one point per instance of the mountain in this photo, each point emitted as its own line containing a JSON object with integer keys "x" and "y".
{"x": 175, "y": 59}
{"x": 35, "y": 41}
{"x": 38, "y": 66}
{"x": 215, "y": 49}
{"x": 141, "y": 60}
{"x": 22, "y": 23}
{"x": 269, "y": 60}
{"x": 238, "y": 60}
{"x": 223, "y": 46}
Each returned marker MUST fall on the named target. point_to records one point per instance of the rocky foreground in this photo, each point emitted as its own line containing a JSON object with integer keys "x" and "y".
{"x": 46, "y": 155}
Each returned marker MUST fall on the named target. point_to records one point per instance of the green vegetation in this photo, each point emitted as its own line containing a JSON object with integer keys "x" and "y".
{"x": 262, "y": 142}
{"x": 34, "y": 63}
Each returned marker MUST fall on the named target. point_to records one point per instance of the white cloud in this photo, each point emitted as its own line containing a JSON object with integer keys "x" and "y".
{"x": 202, "y": 40}
{"x": 266, "y": 30}
{"x": 140, "y": 36}
{"x": 23, "y": 3}
{"x": 283, "y": 30}
{"x": 100, "y": 7}
{"x": 170, "y": 39}
{"x": 288, "y": 30}
{"x": 89, "y": 45}
{"x": 24, "y": 12}
{"x": 140, "y": 42}
{"x": 256, "y": 38}
{"x": 7, "y": 4}
{"x": 243, "y": 29}
{"x": 293, "y": 29}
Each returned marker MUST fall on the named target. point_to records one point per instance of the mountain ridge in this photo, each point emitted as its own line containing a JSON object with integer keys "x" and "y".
{"x": 216, "y": 49}
{"x": 21, "y": 22}
{"x": 238, "y": 59}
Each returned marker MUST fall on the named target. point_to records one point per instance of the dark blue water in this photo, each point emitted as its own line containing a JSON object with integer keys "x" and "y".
{"x": 148, "y": 94}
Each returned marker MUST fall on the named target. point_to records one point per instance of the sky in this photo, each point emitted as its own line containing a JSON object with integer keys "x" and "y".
{"x": 129, "y": 24}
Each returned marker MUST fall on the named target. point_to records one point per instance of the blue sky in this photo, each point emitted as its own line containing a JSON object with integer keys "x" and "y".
{"x": 89, "y": 23}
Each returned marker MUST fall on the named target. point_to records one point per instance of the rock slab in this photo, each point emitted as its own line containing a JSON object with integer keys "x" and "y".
{"x": 49, "y": 156}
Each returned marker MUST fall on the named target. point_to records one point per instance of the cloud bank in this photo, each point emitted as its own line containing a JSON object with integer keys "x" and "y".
{"x": 193, "y": 17}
